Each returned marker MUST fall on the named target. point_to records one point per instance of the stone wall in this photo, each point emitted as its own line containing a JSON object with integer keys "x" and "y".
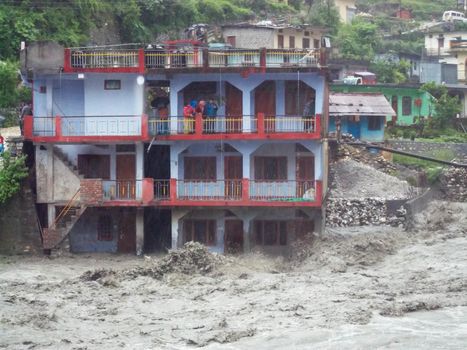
{"x": 426, "y": 148}
{"x": 19, "y": 232}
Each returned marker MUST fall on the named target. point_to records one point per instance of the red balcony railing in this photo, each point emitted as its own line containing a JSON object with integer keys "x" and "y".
{"x": 243, "y": 192}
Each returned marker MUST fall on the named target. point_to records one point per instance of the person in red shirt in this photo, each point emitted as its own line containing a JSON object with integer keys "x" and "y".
{"x": 2, "y": 145}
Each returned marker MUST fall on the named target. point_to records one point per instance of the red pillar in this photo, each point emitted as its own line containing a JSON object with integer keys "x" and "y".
{"x": 58, "y": 127}
{"x": 245, "y": 190}
{"x": 317, "y": 124}
{"x": 260, "y": 122}
{"x": 28, "y": 127}
{"x": 173, "y": 190}
{"x": 141, "y": 66}
{"x": 319, "y": 191}
{"x": 148, "y": 190}
{"x": 144, "y": 127}
{"x": 67, "y": 62}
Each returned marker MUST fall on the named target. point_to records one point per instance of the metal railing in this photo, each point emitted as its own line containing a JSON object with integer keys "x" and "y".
{"x": 173, "y": 59}
{"x": 43, "y": 126}
{"x": 104, "y": 58}
{"x": 122, "y": 125}
{"x": 234, "y": 58}
{"x": 292, "y": 57}
{"x": 209, "y": 190}
{"x": 285, "y": 123}
{"x": 122, "y": 189}
{"x": 161, "y": 189}
{"x": 287, "y": 190}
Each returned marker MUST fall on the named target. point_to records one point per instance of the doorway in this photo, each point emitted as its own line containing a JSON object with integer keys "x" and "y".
{"x": 233, "y": 237}
{"x": 305, "y": 174}
{"x": 233, "y": 109}
{"x": 265, "y": 102}
{"x": 127, "y": 231}
{"x": 126, "y": 176}
{"x": 233, "y": 176}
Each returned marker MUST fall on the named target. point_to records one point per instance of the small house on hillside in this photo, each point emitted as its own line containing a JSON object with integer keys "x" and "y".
{"x": 409, "y": 102}
{"x": 360, "y": 114}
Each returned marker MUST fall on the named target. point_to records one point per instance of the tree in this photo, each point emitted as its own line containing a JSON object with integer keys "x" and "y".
{"x": 390, "y": 72}
{"x": 359, "y": 40}
{"x": 8, "y": 88}
{"x": 324, "y": 13}
{"x": 12, "y": 171}
{"x": 446, "y": 107}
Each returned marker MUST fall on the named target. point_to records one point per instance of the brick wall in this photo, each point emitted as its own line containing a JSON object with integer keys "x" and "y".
{"x": 91, "y": 191}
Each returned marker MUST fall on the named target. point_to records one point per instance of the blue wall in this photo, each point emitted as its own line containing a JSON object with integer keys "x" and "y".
{"x": 365, "y": 134}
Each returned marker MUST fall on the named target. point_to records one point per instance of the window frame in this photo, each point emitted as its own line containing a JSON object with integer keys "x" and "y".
{"x": 374, "y": 123}
{"x": 112, "y": 84}
{"x": 189, "y": 231}
{"x": 189, "y": 168}
{"x": 304, "y": 41}
{"x": 260, "y": 168}
{"x": 406, "y": 106}
{"x": 276, "y": 229}
{"x": 104, "y": 228}
{"x": 291, "y": 41}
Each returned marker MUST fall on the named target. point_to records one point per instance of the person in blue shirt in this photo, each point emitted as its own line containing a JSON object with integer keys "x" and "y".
{"x": 210, "y": 112}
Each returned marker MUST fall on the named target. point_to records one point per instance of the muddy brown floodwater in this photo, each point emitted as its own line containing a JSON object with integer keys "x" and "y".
{"x": 358, "y": 288}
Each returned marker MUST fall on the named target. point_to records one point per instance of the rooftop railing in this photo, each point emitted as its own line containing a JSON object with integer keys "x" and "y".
{"x": 194, "y": 57}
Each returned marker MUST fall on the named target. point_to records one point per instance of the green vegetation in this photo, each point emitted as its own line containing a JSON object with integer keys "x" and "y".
{"x": 390, "y": 72}
{"x": 12, "y": 171}
{"x": 359, "y": 40}
{"x": 432, "y": 169}
{"x": 446, "y": 108}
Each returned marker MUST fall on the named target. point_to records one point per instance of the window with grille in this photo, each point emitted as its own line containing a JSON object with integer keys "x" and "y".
{"x": 202, "y": 231}
{"x": 406, "y": 105}
{"x": 104, "y": 228}
{"x": 200, "y": 168}
{"x": 270, "y": 168}
{"x": 270, "y": 233}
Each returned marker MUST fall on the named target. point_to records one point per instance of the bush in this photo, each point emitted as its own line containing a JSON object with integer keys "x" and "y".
{"x": 12, "y": 171}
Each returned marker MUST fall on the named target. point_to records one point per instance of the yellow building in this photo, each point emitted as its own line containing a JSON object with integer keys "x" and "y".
{"x": 346, "y": 9}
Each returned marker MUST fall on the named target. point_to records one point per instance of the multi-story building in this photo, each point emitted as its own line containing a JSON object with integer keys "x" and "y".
{"x": 120, "y": 168}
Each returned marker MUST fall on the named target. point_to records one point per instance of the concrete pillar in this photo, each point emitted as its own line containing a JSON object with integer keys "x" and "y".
{"x": 247, "y": 111}
{"x": 173, "y": 108}
{"x": 246, "y": 236}
{"x": 139, "y": 231}
{"x": 280, "y": 97}
{"x": 50, "y": 214}
{"x": 176, "y": 238}
{"x": 50, "y": 173}
{"x": 139, "y": 161}
{"x": 113, "y": 162}
{"x": 49, "y": 98}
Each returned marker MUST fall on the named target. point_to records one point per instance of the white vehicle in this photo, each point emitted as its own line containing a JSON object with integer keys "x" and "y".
{"x": 452, "y": 16}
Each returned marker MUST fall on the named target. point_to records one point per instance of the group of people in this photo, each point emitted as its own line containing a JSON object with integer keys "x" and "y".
{"x": 207, "y": 109}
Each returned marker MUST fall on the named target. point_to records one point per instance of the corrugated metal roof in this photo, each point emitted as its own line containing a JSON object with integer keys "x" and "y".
{"x": 369, "y": 104}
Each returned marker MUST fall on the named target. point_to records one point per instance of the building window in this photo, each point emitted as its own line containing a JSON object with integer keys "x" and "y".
{"x": 94, "y": 166}
{"x": 316, "y": 43}
{"x": 202, "y": 231}
{"x": 406, "y": 105}
{"x": 270, "y": 168}
{"x": 200, "y": 168}
{"x": 305, "y": 43}
{"x": 307, "y": 33}
{"x": 280, "y": 41}
{"x": 440, "y": 42}
{"x": 374, "y": 123}
{"x": 292, "y": 42}
{"x": 112, "y": 84}
{"x": 104, "y": 228}
{"x": 270, "y": 233}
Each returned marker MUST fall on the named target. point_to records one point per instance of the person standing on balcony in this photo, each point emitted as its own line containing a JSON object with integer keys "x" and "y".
{"x": 188, "y": 113}
{"x": 200, "y": 111}
{"x": 210, "y": 111}
{"x": 26, "y": 110}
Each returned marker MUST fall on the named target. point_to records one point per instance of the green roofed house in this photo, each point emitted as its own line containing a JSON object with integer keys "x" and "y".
{"x": 409, "y": 102}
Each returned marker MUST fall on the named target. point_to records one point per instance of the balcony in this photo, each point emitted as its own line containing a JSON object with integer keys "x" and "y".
{"x": 196, "y": 57}
{"x": 86, "y": 128}
{"x": 73, "y": 129}
{"x": 241, "y": 127}
{"x": 173, "y": 192}
{"x": 242, "y": 192}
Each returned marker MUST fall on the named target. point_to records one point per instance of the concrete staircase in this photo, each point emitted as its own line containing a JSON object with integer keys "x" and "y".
{"x": 59, "y": 230}
{"x": 63, "y": 157}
